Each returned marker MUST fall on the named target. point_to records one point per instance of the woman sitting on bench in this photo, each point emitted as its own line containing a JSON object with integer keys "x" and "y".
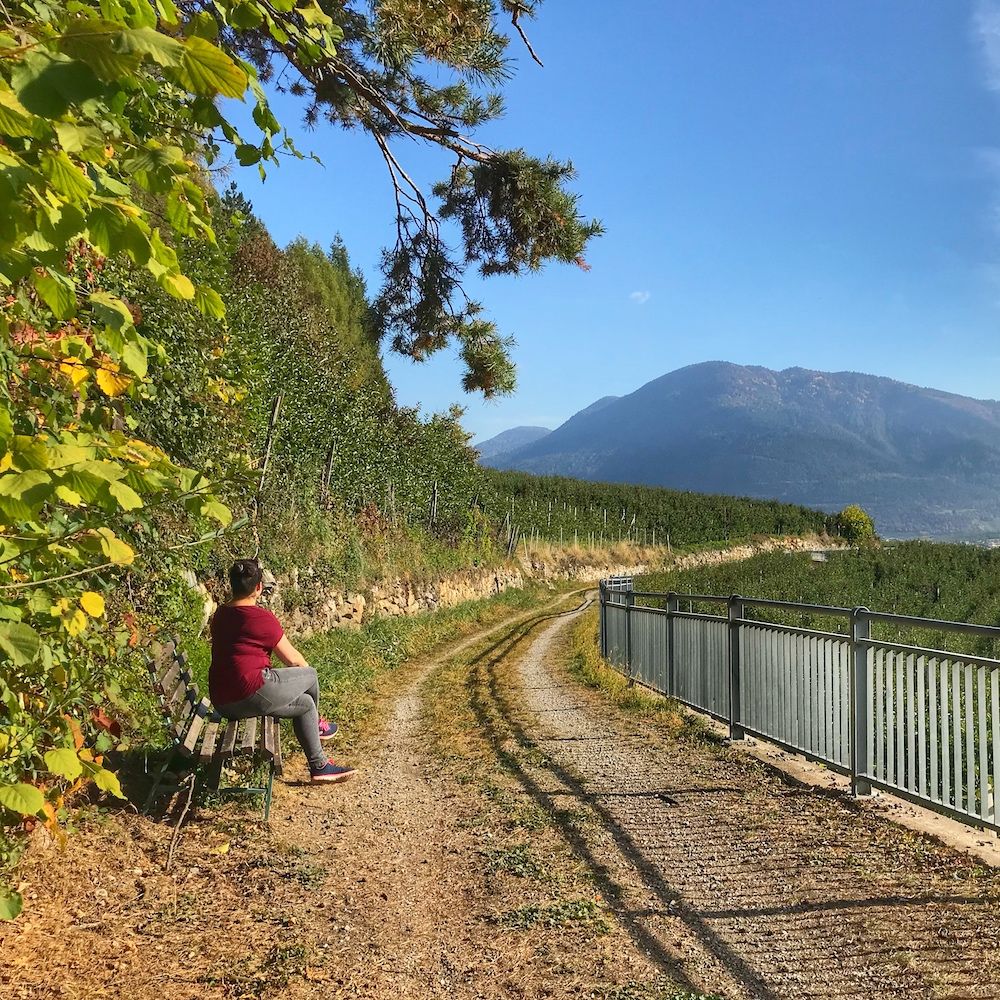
{"x": 243, "y": 684}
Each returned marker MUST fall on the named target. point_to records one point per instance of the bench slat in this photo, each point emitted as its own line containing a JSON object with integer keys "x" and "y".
{"x": 190, "y": 740}
{"x": 179, "y": 726}
{"x": 267, "y": 736}
{"x": 228, "y": 738}
{"x": 276, "y": 725}
{"x": 163, "y": 657}
{"x": 249, "y": 736}
{"x": 168, "y": 679}
{"x": 181, "y": 690}
{"x": 208, "y": 743}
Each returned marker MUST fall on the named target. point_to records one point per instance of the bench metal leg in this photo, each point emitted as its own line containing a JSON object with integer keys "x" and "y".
{"x": 157, "y": 781}
{"x": 267, "y": 792}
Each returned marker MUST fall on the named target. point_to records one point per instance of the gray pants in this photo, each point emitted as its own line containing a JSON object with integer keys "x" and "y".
{"x": 288, "y": 693}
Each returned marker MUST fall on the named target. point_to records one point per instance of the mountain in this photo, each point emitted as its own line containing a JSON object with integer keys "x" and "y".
{"x": 921, "y": 461}
{"x": 517, "y": 437}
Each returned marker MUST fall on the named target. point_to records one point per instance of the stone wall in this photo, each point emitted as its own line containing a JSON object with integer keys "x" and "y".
{"x": 387, "y": 599}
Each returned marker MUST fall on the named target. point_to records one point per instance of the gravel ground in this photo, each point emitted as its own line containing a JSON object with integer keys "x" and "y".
{"x": 742, "y": 883}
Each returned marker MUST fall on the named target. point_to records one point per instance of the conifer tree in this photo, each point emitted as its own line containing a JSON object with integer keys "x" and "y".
{"x": 515, "y": 211}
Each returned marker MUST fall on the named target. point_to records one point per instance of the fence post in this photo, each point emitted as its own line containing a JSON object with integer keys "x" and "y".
{"x": 602, "y": 620}
{"x": 861, "y": 720}
{"x": 629, "y": 601}
{"x": 673, "y": 605}
{"x": 735, "y": 613}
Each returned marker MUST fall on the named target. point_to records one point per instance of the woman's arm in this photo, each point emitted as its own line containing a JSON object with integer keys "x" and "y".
{"x": 288, "y": 654}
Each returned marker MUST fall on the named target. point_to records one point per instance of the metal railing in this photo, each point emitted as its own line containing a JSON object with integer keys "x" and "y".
{"x": 920, "y": 722}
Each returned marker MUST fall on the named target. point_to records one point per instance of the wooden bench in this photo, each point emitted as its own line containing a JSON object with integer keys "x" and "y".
{"x": 200, "y": 737}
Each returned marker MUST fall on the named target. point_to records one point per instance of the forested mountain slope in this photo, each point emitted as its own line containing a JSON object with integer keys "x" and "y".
{"x": 922, "y": 461}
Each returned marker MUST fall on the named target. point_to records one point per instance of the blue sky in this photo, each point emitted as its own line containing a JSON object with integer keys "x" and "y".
{"x": 783, "y": 183}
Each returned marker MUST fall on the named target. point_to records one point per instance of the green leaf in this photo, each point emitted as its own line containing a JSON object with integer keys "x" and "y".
{"x": 247, "y": 155}
{"x": 76, "y": 138}
{"x": 64, "y": 762}
{"x": 98, "y": 44}
{"x": 127, "y": 497}
{"x": 167, "y": 10}
{"x": 25, "y": 800}
{"x": 114, "y": 548}
{"x": 134, "y": 358}
{"x": 81, "y": 484}
{"x": 30, "y": 453}
{"x": 10, "y": 903}
{"x": 15, "y": 119}
{"x": 207, "y": 70}
{"x": 66, "y": 177}
{"x": 47, "y": 83}
{"x": 57, "y": 292}
{"x": 16, "y": 484}
{"x": 104, "y": 226}
{"x": 110, "y": 309}
{"x": 107, "y": 781}
{"x": 68, "y": 496}
{"x": 19, "y": 642}
{"x": 108, "y": 471}
{"x": 6, "y": 429}
{"x": 209, "y": 303}
{"x": 178, "y": 285}
{"x": 154, "y": 157}
{"x": 218, "y": 511}
{"x": 148, "y": 42}
{"x": 246, "y": 15}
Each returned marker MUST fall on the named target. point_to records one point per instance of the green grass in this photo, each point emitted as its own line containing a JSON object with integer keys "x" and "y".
{"x": 662, "y": 989}
{"x": 586, "y": 913}
{"x": 518, "y": 860}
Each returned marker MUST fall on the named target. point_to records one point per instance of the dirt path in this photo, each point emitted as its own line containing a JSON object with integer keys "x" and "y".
{"x": 747, "y": 885}
{"x": 416, "y": 909}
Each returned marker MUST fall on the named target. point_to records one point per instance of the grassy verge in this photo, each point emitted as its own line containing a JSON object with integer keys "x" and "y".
{"x": 584, "y": 662}
{"x": 353, "y": 665}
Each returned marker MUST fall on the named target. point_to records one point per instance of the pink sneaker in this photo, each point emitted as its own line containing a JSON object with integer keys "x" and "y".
{"x": 330, "y": 773}
{"x": 327, "y": 730}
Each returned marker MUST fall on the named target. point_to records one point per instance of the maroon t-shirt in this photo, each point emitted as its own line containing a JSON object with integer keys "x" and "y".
{"x": 243, "y": 636}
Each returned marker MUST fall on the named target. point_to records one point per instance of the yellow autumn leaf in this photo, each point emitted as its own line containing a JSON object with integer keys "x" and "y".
{"x": 111, "y": 382}
{"x": 60, "y": 607}
{"x": 76, "y": 624}
{"x": 92, "y": 603}
{"x": 7, "y": 461}
{"x": 75, "y": 370}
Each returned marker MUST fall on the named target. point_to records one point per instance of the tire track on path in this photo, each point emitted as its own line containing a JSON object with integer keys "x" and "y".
{"x": 732, "y": 880}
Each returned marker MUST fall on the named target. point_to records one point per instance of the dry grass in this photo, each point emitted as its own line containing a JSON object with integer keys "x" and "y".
{"x": 579, "y": 651}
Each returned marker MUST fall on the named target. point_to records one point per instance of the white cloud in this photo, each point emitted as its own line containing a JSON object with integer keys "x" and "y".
{"x": 640, "y": 298}
{"x": 986, "y": 27}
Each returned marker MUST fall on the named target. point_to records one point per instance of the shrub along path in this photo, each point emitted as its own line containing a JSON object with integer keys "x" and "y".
{"x": 757, "y": 889}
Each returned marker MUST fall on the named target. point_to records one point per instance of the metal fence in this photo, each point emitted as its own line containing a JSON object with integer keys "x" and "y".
{"x": 920, "y": 722}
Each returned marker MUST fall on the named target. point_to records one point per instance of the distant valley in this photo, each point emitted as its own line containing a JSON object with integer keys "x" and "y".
{"x": 925, "y": 463}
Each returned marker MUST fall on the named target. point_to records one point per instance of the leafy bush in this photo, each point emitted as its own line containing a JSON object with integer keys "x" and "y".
{"x": 856, "y": 525}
